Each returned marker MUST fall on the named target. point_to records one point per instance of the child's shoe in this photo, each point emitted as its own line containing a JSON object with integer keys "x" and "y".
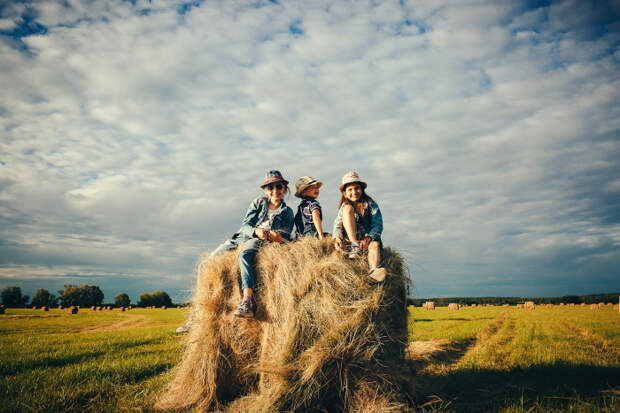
{"x": 188, "y": 324}
{"x": 377, "y": 275}
{"x": 245, "y": 309}
{"x": 355, "y": 251}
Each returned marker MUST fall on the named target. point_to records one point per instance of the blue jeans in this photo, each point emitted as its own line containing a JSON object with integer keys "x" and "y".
{"x": 246, "y": 258}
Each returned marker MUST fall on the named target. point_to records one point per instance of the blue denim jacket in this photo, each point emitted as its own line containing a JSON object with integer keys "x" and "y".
{"x": 376, "y": 223}
{"x": 282, "y": 222}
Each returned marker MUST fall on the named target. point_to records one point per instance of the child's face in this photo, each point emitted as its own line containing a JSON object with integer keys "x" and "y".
{"x": 275, "y": 192}
{"x": 312, "y": 191}
{"x": 353, "y": 192}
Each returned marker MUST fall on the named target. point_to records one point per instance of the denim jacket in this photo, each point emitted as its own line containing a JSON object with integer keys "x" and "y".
{"x": 282, "y": 221}
{"x": 376, "y": 222}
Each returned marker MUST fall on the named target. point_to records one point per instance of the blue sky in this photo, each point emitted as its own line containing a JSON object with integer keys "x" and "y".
{"x": 133, "y": 135}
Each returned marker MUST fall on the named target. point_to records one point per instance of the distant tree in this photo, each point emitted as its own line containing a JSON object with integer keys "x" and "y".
{"x": 157, "y": 299}
{"x": 84, "y": 296}
{"x": 122, "y": 300}
{"x": 12, "y": 297}
{"x": 43, "y": 298}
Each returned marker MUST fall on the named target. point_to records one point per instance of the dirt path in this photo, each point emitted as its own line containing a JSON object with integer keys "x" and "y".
{"x": 137, "y": 320}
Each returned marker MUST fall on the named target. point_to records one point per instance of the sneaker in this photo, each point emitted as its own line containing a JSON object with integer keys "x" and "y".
{"x": 355, "y": 251}
{"x": 377, "y": 275}
{"x": 185, "y": 327}
{"x": 245, "y": 309}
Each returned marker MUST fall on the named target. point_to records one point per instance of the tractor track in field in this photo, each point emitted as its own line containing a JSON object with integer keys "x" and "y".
{"x": 137, "y": 320}
{"x": 594, "y": 338}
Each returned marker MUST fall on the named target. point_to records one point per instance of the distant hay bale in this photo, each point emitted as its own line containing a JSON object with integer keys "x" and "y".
{"x": 529, "y": 305}
{"x": 34, "y": 307}
{"x": 429, "y": 305}
{"x": 322, "y": 340}
{"x": 45, "y": 308}
{"x": 453, "y": 306}
{"x": 593, "y": 306}
{"x": 72, "y": 310}
{"x": 505, "y": 305}
{"x": 562, "y": 304}
{"x": 601, "y": 304}
{"x": 60, "y": 307}
{"x": 520, "y": 305}
{"x": 473, "y": 305}
{"x": 549, "y": 305}
{"x": 571, "y": 305}
{"x": 163, "y": 307}
{"x": 609, "y": 304}
{"x": 98, "y": 308}
{"x": 583, "y": 304}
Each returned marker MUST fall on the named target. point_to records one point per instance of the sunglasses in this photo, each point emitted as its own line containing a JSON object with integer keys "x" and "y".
{"x": 278, "y": 187}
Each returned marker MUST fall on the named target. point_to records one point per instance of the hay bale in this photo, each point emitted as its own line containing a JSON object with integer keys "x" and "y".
{"x": 520, "y": 305}
{"x": 562, "y": 304}
{"x": 45, "y": 308}
{"x": 453, "y": 306}
{"x": 322, "y": 339}
{"x": 72, "y": 310}
{"x": 505, "y": 305}
{"x": 593, "y": 306}
{"x": 473, "y": 305}
{"x": 549, "y": 305}
{"x": 571, "y": 305}
{"x": 529, "y": 305}
{"x": 98, "y": 308}
{"x": 601, "y": 304}
{"x": 163, "y": 307}
{"x": 429, "y": 305}
{"x": 583, "y": 304}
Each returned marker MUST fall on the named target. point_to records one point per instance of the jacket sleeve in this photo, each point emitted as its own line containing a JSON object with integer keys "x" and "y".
{"x": 376, "y": 223}
{"x": 288, "y": 221}
{"x": 337, "y": 230}
{"x": 251, "y": 216}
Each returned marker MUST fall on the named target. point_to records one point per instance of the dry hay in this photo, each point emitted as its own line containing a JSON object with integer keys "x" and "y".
{"x": 72, "y": 310}
{"x": 601, "y": 304}
{"x": 529, "y": 305}
{"x": 593, "y": 306}
{"x": 583, "y": 304}
{"x": 473, "y": 305}
{"x": 453, "y": 306}
{"x": 562, "y": 304}
{"x": 429, "y": 305}
{"x": 505, "y": 305}
{"x": 98, "y": 308}
{"x": 322, "y": 340}
{"x": 549, "y": 305}
{"x": 571, "y": 305}
{"x": 520, "y": 305}
{"x": 45, "y": 308}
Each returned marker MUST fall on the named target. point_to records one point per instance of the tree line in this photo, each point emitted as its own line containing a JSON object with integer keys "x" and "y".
{"x": 566, "y": 299}
{"x": 84, "y": 296}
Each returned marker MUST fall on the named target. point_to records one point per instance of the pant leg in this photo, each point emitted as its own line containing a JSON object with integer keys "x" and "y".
{"x": 246, "y": 261}
{"x": 223, "y": 247}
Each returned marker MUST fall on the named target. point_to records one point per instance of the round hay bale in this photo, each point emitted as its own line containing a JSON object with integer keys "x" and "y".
{"x": 474, "y": 305}
{"x": 429, "y": 305}
{"x": 163, "y": 307}
{"x": 453, "y": 306}
{"x": 505, "y": 305}
{"x": 562, "y": 304}
{"x": 593, "y": 306}
{"x": 583, "y": 304}
{"x": 98, "y": 308}
{"x": 34, "y": 307}
{"x": 549, "y": 305}
{"x": 72, "y": 310}
{"x": 93, "y": 307}
{"x": 529, "y": 305}
{"x": 571, "y": 305}
{"x": 322, "y": 339}
{"x": 45, "y": 308}
{"x": 601, "y": 304}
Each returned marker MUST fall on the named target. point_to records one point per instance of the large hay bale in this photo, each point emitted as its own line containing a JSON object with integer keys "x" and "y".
{"x": 322, "y": 340}
{"x": 529, "y": 305}
{"x": 453, "y": 306}
{"x": 429, "y": 305}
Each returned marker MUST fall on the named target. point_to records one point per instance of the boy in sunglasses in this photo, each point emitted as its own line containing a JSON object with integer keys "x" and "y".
{"x": 267, "y": 219}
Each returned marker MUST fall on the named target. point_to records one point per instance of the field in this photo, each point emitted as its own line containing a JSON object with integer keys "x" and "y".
{"x": 474, "y": 359}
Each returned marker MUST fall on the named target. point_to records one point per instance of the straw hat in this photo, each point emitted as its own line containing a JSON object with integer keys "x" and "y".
{"x": 273, "y": 177}
{"x": 351, "y": 177}
{"x": 303, "y": 183}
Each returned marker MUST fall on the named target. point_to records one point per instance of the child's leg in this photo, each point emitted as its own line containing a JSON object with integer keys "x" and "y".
{"x": 246, "y": 265}
{"x": 374, "y": 254}
{"x": 348, "y": 222}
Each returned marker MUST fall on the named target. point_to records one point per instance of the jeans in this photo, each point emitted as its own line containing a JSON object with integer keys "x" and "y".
{"x": 248, "y": 251}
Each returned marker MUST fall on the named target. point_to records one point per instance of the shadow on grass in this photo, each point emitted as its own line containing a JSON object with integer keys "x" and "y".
{"x": 15, "y": 367}
{"x": 438, "y": 320}
{"x": 482, "y": 390}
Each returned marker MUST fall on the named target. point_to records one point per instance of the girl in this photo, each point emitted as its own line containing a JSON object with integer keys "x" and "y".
{"x": 268, "y": 219}
{"x": 360, "y": 224}
{"x": 309, "y": 216}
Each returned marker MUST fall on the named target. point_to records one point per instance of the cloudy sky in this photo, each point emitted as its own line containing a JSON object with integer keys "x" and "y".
{"x": 134, "y": 134}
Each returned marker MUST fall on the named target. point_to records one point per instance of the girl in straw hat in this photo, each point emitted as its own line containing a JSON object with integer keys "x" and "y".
{"x": 359, "y": 225}
{"x": 309, "y": 216}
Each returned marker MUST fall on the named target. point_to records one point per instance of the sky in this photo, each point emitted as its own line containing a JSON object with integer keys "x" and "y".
{"x": 134, "y": 135}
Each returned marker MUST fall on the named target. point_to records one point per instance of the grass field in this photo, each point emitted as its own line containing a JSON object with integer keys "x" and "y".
{"x": 475, "y": 359}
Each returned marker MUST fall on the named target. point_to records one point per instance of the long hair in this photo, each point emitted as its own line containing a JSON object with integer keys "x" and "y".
{"x": 344, "y": 200}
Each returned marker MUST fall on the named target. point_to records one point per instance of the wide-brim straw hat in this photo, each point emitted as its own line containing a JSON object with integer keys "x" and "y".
{"x": 351, "y": 177}
{"x": 305, "y": 182}
{"x": 273, "y": 177}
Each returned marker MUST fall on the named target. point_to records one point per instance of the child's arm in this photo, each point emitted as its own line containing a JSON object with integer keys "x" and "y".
{"x": 316, "y": 219}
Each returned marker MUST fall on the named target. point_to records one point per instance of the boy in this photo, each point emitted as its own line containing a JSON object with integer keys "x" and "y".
{"x": 308, "y": 219}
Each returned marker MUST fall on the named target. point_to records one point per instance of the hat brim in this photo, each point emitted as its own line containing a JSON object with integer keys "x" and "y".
{"x": 284, "y": 181}
{"x": 301, "y": 189}
{"x": 362, "y": 184}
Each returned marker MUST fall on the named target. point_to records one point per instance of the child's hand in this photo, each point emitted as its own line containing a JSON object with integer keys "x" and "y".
{"x": 275, "y": 236}
{"x": 261, "y": 233}
{"x": 365, "y": 243}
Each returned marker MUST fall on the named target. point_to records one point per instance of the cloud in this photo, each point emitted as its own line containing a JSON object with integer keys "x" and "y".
{"x": 135, "y": 134}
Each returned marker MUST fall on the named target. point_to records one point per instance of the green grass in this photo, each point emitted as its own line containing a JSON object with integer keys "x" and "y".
{"x": 557, "y": 359}
{"x": 563, "y": 359}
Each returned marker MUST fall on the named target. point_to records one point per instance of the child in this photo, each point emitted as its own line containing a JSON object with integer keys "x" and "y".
{"x": 309, "y": 217}
{"x": 268, "y": 219}
{"x": 360, "y": 224}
